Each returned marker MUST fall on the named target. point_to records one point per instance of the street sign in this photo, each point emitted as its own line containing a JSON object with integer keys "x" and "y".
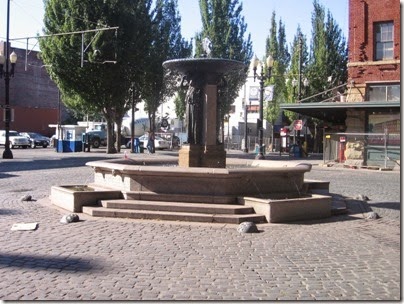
{"x": 298, "y": 125}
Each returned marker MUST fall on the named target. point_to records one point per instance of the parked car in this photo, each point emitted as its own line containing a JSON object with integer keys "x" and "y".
{"x": 159, "y": 143}
{"x": 37, "y": 139}
{"x": 16, "y": 139}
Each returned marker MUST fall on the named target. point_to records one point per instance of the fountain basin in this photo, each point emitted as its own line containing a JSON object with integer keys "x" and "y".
{"x": 145, "y": 188}
{"x": 253, "y": 181}
{"x": 74, "y": 197}
{"x": 203, "y": 65}
{"x": 305, "y": 207}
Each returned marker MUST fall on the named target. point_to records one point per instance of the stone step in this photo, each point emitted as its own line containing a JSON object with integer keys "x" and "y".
{"x": 171, "y": 197}
{"x": 176, "y": 206}
{"x": 173, "y": 216}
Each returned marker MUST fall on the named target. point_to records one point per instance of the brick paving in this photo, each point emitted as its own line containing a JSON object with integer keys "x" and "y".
{"x": 345, "y": 257}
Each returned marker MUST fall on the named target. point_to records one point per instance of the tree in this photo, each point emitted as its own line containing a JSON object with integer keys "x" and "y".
{"x": 98, "y": 84}
{"x": 167, "y": 44}
{"x": 328, "y": 56}
{"x": 297, "y": 70}
{"x": 224, "y": 25}
{"x": 276, "y": 46}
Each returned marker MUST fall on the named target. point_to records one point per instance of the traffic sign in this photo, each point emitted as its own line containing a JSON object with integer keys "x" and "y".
{"x": 298, "y": 125}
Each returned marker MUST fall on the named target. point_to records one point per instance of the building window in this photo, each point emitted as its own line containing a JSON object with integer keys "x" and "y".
{"x": 384, "y": 40}
{"x": 383, "y": 92}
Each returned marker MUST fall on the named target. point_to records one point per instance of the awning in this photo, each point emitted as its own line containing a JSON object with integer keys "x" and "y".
{"x": 336, "y": 111}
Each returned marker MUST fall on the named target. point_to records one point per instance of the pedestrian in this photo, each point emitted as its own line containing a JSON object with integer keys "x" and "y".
{"x": 150, "y": 143}
{"x": 136, "y": 145}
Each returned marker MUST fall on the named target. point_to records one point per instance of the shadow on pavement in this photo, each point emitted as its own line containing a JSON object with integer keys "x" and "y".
{"x": 386, "y": 205}
{"x": 40, "y": 164}
{"x": 46, "y": 262}
{"x": 10, "y": 212}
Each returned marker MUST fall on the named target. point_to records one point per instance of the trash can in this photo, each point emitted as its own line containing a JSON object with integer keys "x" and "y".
{"x": 141, "y": 147}
{"x": 295, "y": 151}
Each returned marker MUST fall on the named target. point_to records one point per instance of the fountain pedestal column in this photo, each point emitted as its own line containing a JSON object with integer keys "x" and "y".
{"x": 203, "y": 76}
{"x": 208, "y": 154}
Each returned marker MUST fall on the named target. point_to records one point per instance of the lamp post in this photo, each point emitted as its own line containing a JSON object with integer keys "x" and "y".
{"x": 295, "y": 83}
{"x": 9, "y": 58}
{"x": 245, "y": 150}
{"x": 261, "y": 77}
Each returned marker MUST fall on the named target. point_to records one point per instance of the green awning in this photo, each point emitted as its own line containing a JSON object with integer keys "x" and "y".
{"x": 336, "y": 111}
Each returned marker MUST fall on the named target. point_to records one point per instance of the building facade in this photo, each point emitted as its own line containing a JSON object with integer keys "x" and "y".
{"x": 34, "y": 97}
{"x": 374, "y": 49}
{"x": 368, "y": 117}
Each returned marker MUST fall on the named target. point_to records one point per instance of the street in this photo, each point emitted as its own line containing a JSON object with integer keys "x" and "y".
{"x": 345, "y": 257}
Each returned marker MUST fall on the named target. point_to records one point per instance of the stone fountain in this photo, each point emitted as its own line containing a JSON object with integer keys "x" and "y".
{"x": 203, "y": 76}
{"x": 198, "y": 186}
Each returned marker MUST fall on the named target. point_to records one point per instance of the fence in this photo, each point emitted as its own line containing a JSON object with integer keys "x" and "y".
{"x": 363, "y": 149}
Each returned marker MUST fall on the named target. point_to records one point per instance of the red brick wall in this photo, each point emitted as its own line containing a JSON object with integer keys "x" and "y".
{"x": 32, "y": 120}
{"x": 33, "y": 95}
{"x": 362, "y": 16}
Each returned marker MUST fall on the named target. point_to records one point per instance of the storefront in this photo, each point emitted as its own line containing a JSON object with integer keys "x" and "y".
{"x": 371, "y": 130}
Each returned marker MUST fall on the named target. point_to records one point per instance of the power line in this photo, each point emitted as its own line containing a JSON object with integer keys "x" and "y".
{"x": 83, "y": 48}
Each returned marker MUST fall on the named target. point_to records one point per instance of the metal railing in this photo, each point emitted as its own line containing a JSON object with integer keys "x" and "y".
{"x": 236, "y": 142}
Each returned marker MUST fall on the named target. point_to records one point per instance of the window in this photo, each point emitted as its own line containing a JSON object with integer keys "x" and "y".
{"x": 383, "y": 92}
{"x": 384, "y": 40}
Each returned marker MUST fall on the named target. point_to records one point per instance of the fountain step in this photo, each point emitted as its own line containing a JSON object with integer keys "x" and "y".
{"x": 173, "y": 216}
{"x": 187, "y": 198}
{"x": 176, "y": 206}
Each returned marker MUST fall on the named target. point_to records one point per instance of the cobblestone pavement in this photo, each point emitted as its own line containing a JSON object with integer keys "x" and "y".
{"x": 346, "y": 257}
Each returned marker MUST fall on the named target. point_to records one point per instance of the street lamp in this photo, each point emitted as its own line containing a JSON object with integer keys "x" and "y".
{"x": 295, "y": 83}
{"x": 261, "y": 77}
{"x": 246, "y": 126}
{"x": 12, "y": 58}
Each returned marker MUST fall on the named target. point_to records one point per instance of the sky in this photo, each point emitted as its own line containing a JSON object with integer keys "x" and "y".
{"x": 26, "y": 18}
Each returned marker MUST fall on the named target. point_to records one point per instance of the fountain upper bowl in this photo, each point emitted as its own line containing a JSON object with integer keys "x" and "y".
{"x": 204, "y": 65}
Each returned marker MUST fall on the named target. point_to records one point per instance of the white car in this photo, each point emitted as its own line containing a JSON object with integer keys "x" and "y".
{"x": 16, "y": 139}
{"x": 159, "y": 143}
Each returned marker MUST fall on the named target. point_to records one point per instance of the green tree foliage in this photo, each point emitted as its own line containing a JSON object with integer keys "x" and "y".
{"x": 297, "y": 71}
{"x": 276, "y": 47}
{"x": 167, "y": 44}
{"x": 179, "y": 102}
{"x": 224, "y": 25}
{"x": 328, "y": 55}
{"x": 99, "y": 84}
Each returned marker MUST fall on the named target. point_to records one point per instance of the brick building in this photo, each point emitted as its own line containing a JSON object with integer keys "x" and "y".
{"x": 369, "y": 117}
{"x": 374, "y": 71}
{"x": 34, "y": 97}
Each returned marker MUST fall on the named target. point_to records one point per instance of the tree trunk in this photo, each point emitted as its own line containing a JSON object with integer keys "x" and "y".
{"x": 118, "y": 135}
{"x": 110, "y": 137}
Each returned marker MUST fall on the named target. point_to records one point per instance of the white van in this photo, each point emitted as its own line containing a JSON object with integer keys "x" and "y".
{"x": 16, "y": 140}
